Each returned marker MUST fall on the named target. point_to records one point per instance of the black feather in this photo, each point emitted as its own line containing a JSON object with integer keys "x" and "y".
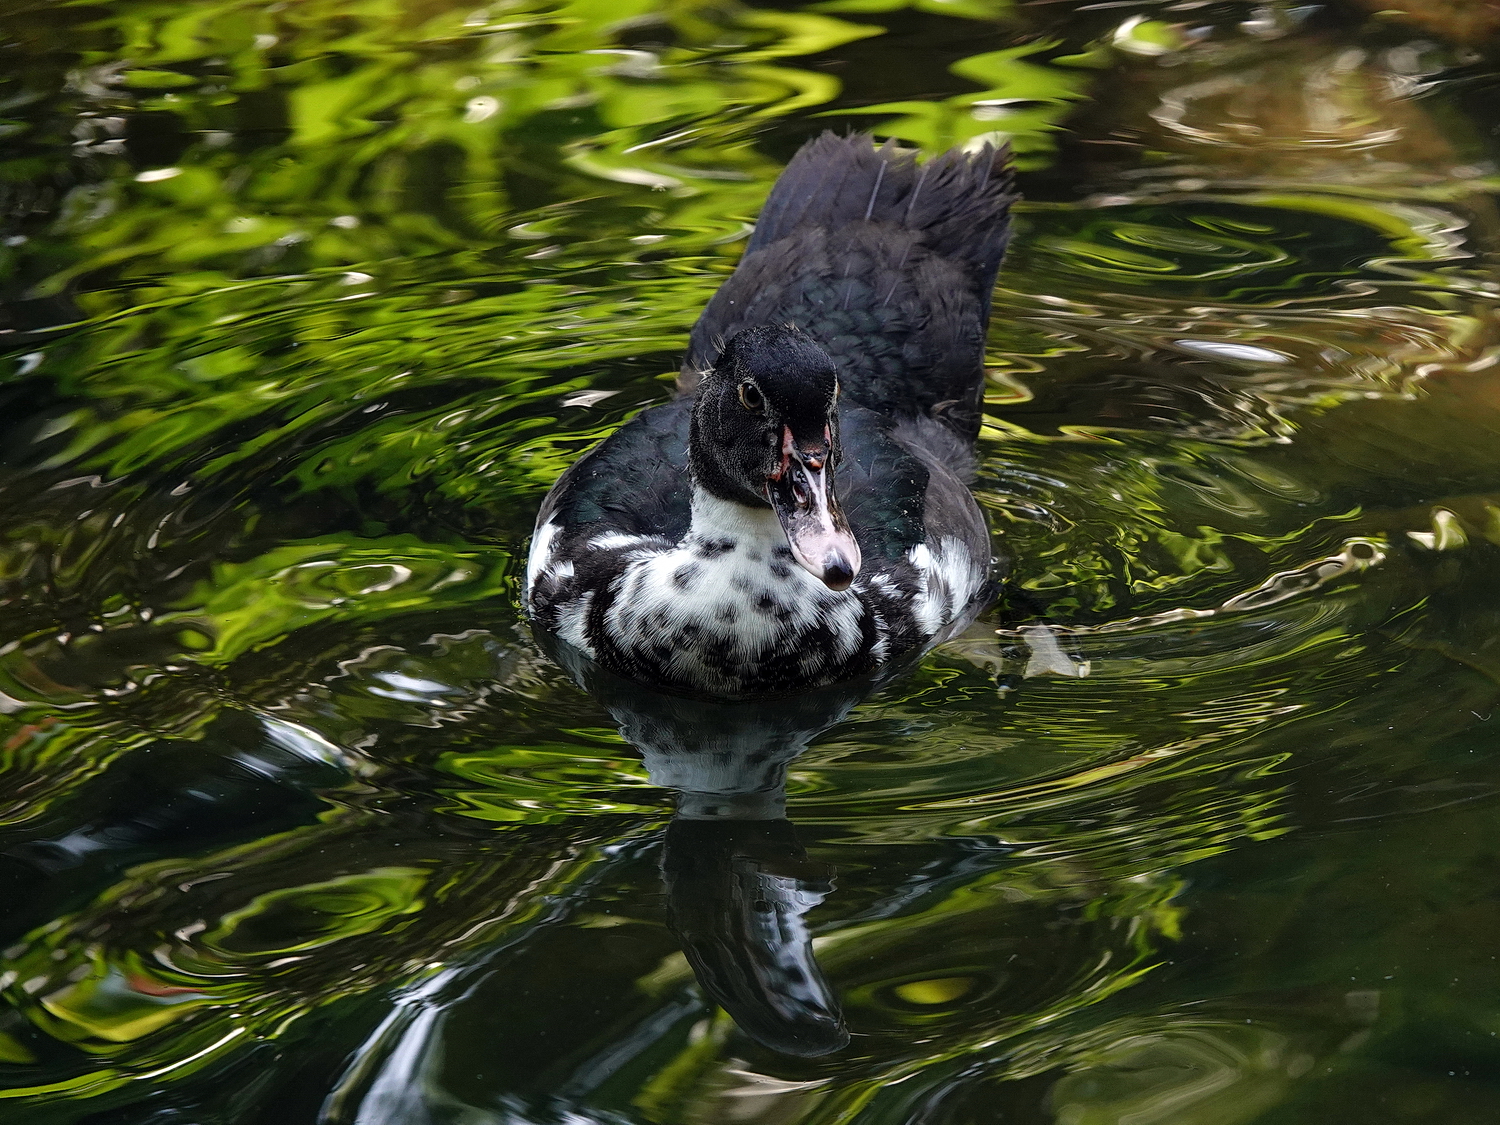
{"x": 885, "y": 262}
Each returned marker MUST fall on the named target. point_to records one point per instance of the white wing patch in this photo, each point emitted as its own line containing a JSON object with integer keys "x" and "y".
{"x": 616, "y": 540}
{"x": 572, "y": 622}
{"x": 543, "y": 544}
{"x": 950, "y": 579}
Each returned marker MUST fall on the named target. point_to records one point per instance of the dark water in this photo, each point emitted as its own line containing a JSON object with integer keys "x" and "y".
{"x": 307, "y": 305}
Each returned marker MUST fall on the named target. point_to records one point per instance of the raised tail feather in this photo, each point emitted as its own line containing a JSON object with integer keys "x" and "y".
{"x": 886, "y": 262}
{"x": 960, "y": 202}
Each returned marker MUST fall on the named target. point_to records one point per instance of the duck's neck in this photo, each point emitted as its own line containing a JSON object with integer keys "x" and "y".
{"x": 717, "y": 522}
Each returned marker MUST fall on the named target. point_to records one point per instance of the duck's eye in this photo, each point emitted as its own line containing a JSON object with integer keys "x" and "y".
{"x": 750, "y": 397}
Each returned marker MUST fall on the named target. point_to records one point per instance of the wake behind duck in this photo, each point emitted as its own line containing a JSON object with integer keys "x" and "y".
{"x": 800, "y": 515}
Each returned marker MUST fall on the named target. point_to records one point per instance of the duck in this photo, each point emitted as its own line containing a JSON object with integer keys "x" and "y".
{"x": 800, "y": 515}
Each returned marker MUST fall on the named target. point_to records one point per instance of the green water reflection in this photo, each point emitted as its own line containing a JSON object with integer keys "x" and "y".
{"x": 306, "y": 305}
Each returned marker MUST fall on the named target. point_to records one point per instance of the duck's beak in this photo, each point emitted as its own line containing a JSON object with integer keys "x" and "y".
{"x": 801, "y": 493}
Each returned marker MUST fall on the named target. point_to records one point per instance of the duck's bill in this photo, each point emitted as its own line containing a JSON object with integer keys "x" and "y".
{"x": 816, "y": 530}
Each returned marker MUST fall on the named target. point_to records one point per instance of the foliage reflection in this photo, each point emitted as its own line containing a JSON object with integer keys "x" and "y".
{"x": 308, "y": 304}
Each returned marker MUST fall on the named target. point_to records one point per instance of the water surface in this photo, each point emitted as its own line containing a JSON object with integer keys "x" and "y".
{"x": 308, "y": 304}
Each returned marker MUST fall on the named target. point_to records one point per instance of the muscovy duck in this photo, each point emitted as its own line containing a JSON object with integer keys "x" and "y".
{"x": 799, "y": 515}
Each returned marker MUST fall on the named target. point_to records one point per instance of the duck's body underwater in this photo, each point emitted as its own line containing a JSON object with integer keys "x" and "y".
{"x": 800, "y": 515}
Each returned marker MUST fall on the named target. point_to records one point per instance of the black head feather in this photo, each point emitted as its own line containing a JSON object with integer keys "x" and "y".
{"x": 767, "y": 379}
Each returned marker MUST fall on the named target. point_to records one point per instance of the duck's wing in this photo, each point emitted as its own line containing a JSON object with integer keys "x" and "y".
{"x": 902, "y": 484}
{"x": 631, "y": 490}
{"x": 635, "y": 482}
{"x": 881, "y": 486}
{"x": 927, "y": 553}
{"x": 887, "y": 263}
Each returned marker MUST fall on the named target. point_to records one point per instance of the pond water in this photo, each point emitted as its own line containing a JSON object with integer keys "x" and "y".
{"x": 309, "y": 303}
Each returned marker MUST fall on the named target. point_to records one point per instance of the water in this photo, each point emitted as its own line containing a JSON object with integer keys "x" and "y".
{"x": 309, "y": 304}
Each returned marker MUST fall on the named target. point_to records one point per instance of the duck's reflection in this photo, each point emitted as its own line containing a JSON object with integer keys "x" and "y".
{"x": 738, "y": 892}
{"x": 739, "y": 883}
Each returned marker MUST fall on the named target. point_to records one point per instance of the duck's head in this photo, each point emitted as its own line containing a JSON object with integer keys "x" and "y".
{"x": 765, "y": 433}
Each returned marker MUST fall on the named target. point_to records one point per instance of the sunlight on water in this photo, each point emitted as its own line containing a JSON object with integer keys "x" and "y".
{"x": 306, "y": 308}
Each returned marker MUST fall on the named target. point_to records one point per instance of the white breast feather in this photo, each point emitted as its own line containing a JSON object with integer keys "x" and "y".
{"x": 665, "y": 592}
